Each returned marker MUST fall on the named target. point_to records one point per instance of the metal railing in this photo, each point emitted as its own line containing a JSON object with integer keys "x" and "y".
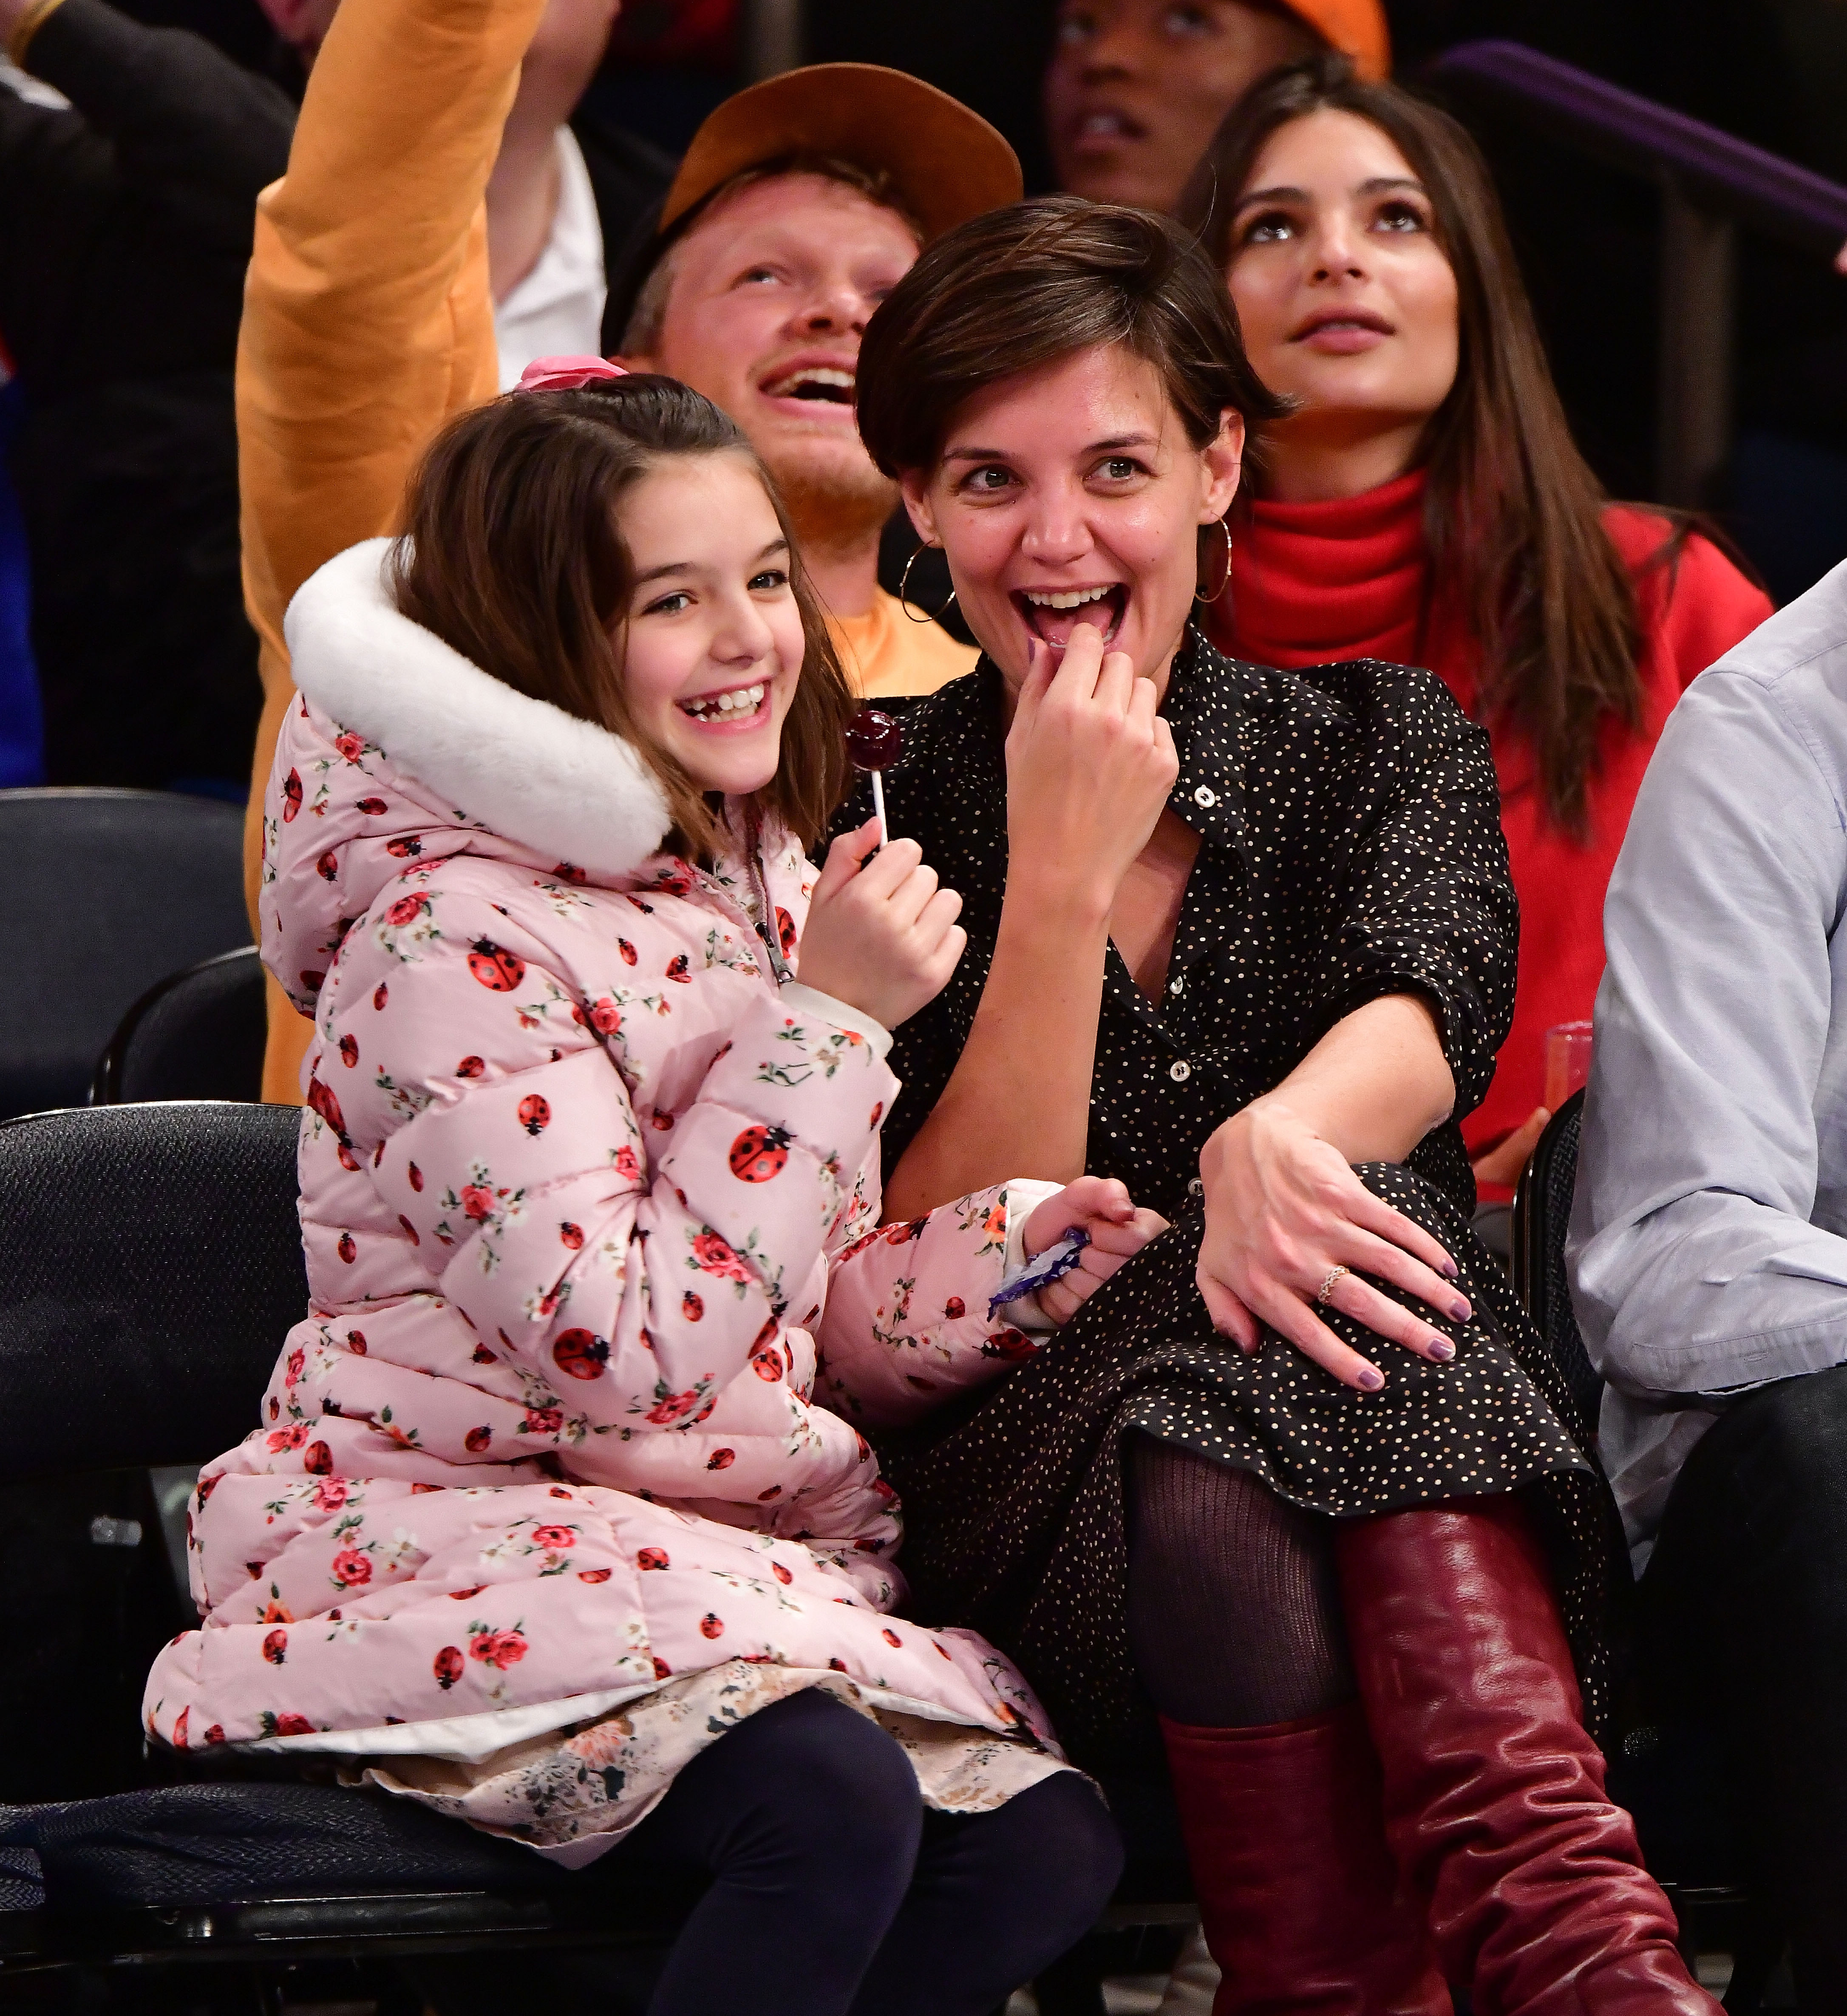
{"x": 1711, "y": 183}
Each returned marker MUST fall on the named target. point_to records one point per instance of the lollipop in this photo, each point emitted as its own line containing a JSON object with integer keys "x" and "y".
{"x": 873, "y": 742}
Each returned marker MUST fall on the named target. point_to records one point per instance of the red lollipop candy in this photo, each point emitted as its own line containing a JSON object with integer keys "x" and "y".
{"x": 874, "y": 741}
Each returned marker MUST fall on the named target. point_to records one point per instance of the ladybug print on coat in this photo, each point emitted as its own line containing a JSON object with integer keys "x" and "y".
{"x": 580, "y": 1354}
{"x": 291, "y": 796}
{"x": 535, "y": 1113}
{"x": 760, "y": 1152}
{"x": 495, "y": 967}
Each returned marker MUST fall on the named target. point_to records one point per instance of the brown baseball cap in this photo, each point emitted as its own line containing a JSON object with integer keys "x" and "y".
{"x": 946, "y": 162}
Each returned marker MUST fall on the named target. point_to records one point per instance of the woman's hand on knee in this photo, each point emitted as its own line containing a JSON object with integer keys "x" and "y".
{"x": 1101, "y": 1207}
{"x": 1283, "y": 1213}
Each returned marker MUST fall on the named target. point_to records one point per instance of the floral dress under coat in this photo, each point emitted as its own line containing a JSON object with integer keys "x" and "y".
{"x": 555, "y": 1479}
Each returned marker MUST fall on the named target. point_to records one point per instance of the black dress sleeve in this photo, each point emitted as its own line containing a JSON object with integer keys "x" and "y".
{"x": 1426, "y": 904}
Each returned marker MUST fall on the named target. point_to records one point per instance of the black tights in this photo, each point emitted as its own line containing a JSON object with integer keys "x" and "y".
{"x": 1234, "y": 1610}
{"x": 834, "y": 1890}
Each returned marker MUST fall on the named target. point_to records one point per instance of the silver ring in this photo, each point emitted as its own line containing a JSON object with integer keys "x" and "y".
{"x": 1326, "y": 1287}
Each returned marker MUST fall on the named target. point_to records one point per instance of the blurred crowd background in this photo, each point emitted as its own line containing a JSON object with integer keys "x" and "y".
{"x": 140, "y": 686}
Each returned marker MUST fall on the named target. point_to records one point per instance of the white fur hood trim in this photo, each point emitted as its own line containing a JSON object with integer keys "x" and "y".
{"x": 522, "y": 768}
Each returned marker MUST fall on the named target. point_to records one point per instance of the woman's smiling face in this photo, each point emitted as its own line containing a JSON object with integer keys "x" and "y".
{"x": 1071, "y": 495}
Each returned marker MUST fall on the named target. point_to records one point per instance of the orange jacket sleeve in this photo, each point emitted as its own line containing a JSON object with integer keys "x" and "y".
{"x": 368, "y": 319}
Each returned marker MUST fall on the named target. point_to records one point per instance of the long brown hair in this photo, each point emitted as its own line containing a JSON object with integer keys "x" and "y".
{"x": 1021, "y": 287}
{"x": 512, "y": 554}
{"x": 1513, "y": 515}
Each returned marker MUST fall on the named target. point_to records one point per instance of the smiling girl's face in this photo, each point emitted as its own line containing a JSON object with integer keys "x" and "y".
{"x": 1072, "y": 495}
{"x": 713, "y": 645}
{"x": 1347, "y": 300}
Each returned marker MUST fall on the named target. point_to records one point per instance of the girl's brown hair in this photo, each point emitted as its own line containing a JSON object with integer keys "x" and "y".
{"x": 512, "y": 554}
{"x": 1512, "y": 514}
{"x": 1024, "y": 287}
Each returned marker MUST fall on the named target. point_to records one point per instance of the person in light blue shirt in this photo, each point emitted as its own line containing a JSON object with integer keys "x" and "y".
{"x": 1708, "y": 1239}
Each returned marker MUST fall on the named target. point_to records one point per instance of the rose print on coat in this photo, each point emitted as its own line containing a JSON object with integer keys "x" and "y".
{"x": 482, "y": 1207}
{"x": 498, "y": 1648}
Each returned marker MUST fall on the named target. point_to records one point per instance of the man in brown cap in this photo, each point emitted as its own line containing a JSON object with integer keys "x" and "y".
{"x": 799, "y": 205}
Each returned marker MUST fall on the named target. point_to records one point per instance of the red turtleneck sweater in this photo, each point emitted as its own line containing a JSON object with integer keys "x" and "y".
{"x": 1314, "y": 583}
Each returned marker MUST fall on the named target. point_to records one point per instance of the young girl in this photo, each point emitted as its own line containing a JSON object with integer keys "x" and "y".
{"x": 556, "y": 1518}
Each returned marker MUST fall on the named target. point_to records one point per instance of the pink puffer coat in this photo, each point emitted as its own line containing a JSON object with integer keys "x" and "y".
{"x": 587, "y": 1203}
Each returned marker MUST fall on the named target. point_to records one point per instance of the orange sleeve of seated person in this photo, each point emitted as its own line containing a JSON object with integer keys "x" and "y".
{"x": 368, "y": 322}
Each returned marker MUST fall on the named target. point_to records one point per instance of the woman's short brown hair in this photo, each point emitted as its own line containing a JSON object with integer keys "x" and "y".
{"x": 512, "y": 555}
{"x": 1020, "y": 288}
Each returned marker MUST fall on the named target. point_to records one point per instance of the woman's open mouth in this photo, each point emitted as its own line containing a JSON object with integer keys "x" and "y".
{"x": 735, "y": 707}
{"x": 1052, "y": 614}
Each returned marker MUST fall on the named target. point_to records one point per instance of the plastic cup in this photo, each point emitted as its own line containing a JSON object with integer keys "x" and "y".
{"x": 1568, "y": 1062}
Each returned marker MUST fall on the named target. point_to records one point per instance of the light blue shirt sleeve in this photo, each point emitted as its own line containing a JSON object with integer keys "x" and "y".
{"x": 1708, "y": 1239}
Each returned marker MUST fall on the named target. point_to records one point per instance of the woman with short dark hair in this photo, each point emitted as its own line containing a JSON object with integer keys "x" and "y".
{"x": 1299, "y": 1478}
{"x": 1424, "y": 500}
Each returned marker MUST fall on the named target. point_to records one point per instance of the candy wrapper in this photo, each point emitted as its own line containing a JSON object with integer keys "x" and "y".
{"x": 1041, "y": 1271}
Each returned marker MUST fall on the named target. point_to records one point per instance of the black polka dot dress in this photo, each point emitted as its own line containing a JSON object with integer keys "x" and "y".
{"x": 1350, "y": 847}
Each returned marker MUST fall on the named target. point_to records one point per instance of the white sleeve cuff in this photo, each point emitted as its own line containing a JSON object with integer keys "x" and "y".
{"x": 1025, "y": 1196}
{"x": 840, "y": 1014}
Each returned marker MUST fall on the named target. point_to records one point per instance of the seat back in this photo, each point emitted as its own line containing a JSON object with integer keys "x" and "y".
{"x": 150, "y": 1265}
{"x": 1542, "y": 1217}
{"x": 197, "y": 1035}
{"x": 107, "y": 892}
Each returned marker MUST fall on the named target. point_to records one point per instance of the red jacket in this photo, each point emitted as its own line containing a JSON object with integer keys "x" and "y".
{"x": 1312, "y": 583}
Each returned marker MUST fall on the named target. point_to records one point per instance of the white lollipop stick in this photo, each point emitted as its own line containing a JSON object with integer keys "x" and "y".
{"x": 878, "y": 805}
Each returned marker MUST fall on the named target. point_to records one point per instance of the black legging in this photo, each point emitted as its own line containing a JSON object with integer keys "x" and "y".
{"x": 1745, "y": 1629}
{"x": 834, "y": 1890}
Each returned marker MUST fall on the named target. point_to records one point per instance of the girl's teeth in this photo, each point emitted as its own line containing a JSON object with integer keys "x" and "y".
{"x": 1075, "y": 600}
{"x": 746, "y": 700}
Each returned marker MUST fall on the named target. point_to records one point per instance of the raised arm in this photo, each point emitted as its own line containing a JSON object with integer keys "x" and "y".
{"x": 367, "y": 320}
{"x": 1089, "y": 766}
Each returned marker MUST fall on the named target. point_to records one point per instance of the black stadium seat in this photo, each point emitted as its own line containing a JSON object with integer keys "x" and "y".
{"x": 107, "y": 892}
{"x": 196, "y": 1035}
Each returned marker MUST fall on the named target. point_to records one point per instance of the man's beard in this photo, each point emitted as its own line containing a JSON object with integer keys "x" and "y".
{"x": 836, "y": 501}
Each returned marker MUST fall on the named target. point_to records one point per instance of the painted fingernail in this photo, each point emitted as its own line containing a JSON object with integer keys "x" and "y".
{"x": 1448, "y": 1268}
{"x": 1460, "y": 1310}
{"x": 1441, "y": 1349}
{"x": 1370, "y": 1378}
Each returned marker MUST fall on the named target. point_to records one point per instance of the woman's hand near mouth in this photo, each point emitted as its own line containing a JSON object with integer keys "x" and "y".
{"x": 1090, "y": 764}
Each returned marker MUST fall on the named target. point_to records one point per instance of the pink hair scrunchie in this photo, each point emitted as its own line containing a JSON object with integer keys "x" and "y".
{"x": 565, "y": 374}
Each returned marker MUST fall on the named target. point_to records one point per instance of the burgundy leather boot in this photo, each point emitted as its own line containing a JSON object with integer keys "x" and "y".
{"x": 1532, "y": 1881}
{"x": 1298, "y": 1894}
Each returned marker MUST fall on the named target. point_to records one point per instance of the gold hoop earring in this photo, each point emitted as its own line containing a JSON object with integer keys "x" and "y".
{"x": 904, "y": 582}
{"x": 1199, "y": 594}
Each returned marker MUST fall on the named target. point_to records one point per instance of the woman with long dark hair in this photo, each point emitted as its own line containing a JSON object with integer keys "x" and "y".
{"x": 1423, "y": 503}
{"x": 1298, "y": 1479}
